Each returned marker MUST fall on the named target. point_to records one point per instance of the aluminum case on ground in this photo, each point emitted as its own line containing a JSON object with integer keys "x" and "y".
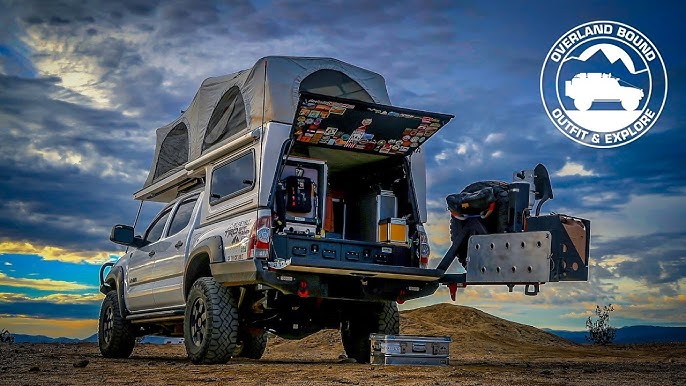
{"x": 409, "y": 350}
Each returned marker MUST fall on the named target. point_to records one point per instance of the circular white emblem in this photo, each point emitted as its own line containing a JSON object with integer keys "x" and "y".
{"x": 603, "y": 84}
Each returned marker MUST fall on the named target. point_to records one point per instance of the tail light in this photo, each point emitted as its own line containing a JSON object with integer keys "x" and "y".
{"x": 424, "y": 250}
{"x": 303, "y": 292}
{"x": 260, "y": 238}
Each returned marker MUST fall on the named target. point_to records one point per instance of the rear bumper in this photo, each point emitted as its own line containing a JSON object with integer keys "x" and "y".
{"x": 361, "y": 270}
{"x": 331, "y": 279}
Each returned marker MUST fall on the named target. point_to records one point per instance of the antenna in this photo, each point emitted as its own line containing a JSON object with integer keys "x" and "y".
{"x": 135, "y": 221}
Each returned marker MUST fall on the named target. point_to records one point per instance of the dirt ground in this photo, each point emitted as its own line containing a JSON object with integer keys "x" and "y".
{"x": 485, "y": 351}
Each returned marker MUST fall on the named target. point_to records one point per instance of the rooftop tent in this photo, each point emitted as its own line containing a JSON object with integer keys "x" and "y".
{"x": 228, "y": 106}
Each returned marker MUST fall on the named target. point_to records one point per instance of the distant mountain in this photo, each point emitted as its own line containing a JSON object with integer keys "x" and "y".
{"x": 152, "y": 339}
{"x": 149, "y": 339}
{"x": 22, "y": 338}
{"x": 632, "y": 334}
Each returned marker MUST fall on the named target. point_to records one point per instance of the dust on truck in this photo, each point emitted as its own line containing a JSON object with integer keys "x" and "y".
{"x": 295, "y": 201}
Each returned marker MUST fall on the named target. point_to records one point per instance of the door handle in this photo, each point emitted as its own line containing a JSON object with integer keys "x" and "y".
{"x": 178, "y": 244}
{"x": 151, "y": 253}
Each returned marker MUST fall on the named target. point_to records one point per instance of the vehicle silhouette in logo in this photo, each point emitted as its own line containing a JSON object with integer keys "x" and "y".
{"x": 586, "y": 88}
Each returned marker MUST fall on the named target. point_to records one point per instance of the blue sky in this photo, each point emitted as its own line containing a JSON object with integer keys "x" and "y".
{"x": 83, "y": 85}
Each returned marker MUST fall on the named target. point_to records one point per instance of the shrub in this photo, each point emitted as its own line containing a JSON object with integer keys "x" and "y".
{"x": 600, "y": 331}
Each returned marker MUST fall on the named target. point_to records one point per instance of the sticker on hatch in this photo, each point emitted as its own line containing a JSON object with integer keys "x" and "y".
{"x": 364, "y": 127}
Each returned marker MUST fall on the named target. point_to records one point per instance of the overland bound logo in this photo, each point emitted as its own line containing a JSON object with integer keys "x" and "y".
{"x": 603, "y": 84}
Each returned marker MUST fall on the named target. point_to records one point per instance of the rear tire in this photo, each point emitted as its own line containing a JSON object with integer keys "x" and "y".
{"x": 210, "y": 325}
{"x": 382, "y": 318}
{"x": 115, "y": 335}
{"x": 253, "y": 343}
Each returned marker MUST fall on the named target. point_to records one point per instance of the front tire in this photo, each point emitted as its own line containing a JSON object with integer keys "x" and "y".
{"x": 381, "y": 318}
{"x": 115, "y": 336}
{"x": 210, "y": 325}
{"x": 630, "y": 104}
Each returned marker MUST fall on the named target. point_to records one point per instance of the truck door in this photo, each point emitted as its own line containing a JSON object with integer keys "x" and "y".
{"x": 170, "y": 258}
{"x": 139, "y": 279}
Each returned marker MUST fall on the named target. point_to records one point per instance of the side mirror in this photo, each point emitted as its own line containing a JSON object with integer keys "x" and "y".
{"x": 123, "y": 234}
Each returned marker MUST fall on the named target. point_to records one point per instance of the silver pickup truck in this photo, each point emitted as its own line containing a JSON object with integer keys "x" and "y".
{"x": 295, "y": 202}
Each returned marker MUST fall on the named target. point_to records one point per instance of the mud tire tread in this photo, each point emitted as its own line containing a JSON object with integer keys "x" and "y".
{"x": 222, "y": 323}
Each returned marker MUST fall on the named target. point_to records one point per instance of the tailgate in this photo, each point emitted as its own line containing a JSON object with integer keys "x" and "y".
{"x": 362, "y": 270}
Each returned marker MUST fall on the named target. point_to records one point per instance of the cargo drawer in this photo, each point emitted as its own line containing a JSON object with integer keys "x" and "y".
{"x": 314, "y": 248}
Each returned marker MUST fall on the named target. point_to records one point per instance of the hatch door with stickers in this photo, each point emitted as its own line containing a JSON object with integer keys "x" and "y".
{"x": 347, "y": 124}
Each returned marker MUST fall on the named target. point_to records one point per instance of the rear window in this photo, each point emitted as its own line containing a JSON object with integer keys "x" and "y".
{"x": 182, "y": 217}
{"x": 233, "y": 178}
{"x": 155, "y": 230}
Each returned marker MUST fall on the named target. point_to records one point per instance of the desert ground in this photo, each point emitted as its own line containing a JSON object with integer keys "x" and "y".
{"x": 485, "y": 351}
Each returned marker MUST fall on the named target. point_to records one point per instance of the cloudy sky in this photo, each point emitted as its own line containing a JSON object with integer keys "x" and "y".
{"x": 83, "y": 85}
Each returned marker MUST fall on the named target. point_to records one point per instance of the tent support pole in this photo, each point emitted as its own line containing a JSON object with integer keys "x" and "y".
{"x": 262, "y": 129}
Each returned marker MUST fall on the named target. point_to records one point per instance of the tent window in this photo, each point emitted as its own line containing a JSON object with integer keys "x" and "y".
{"x": 173, "y": 151}
{"x": 228, "y": 118}
{"x": 335, "y": 84}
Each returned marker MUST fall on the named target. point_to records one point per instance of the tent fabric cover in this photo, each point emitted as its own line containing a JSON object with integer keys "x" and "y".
{"x": 231, "y": 105}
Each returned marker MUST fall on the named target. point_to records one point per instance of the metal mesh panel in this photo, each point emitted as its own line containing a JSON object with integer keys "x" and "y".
{"x": 173, "y": 151}
{"x": 228, "y": 118}
{"x": 335, "y": 84}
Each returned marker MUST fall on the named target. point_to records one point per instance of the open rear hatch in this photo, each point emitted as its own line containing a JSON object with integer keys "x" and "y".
{"x": 363, "y": 127}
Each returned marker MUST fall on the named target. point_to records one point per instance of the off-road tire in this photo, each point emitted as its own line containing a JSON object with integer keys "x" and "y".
{"x": 380, "y": 318}
{"x": 210, "y": 324}
{"x": 253, "y": 342}
{"x": 115, "y": 335}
